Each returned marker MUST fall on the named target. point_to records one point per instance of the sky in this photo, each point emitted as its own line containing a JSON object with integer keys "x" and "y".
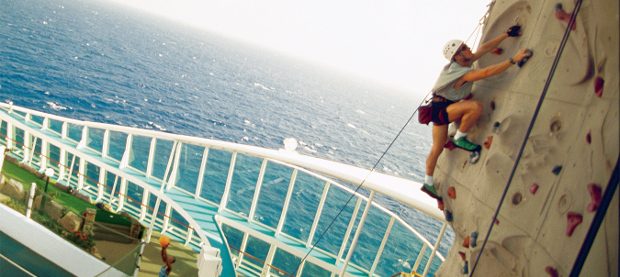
{"x": 394, "y": 42}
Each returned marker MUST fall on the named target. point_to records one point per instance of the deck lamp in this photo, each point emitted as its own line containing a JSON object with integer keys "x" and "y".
{"x": 49, "y": 173}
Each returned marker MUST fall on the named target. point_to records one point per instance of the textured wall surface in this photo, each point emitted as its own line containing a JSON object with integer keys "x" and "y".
{"x": 568, "y": 156}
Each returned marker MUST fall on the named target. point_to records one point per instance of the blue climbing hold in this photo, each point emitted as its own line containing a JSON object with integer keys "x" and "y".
{"x": 524, "y": 60}
{"x": 465, "y": 269}
{"x": 448, "y": 215}
{"x": 473, "y": 238}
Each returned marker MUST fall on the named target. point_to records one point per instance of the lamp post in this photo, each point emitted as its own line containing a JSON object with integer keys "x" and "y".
{"x": 49, "y": 173}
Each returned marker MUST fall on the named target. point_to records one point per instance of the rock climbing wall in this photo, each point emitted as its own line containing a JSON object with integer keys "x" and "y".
{"x": 568, "y": 158}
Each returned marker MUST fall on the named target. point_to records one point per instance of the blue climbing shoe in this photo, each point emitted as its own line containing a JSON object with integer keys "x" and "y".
{"x": 430, "y": 190}
{"x": 463, "y": 143}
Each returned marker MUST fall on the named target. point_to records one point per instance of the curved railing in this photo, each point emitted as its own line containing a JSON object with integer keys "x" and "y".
{"x": 134, "y": 169}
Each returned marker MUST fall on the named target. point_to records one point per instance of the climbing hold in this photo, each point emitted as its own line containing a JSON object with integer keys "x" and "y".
{"x": 533, "y": 188}
{"x": 598, "y": 86}
{"x": 466, "y": 242}
{"x": 440, "y": 204}
{"x": 465, "y": 269}
{"x": 474, "y": 157}
{"x": 496, "y": 221}
{"x": 469, "y": 96}
{"x": 473, "y": 239}
{"x": 452, "y": 192}
{"x": 495, "y": 127}
{"x": 595, "y": 194}
{"x": 557, "y": 169}
{"x": 551, "y": 271}
{"x": 497, "y": 51}
{"x": 492, "y": 104}
{"x": 463, "y": 256}
{"x": 524, "y": 60}
{"x": 560, "y": 14}
{"x": 574, "y": 219}
{"x": 487, "y": 144}
{"x": 589, "y": 137}
{"x": 450, "y": 145}
{"x": 448, "y": 215}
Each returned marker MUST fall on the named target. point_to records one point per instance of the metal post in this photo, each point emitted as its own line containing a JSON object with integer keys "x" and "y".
{"x": 30, "y": 197}
{"x": 49, "y": 173}
{"x": 357, "y": 233}
{"x": 430, "y": 259}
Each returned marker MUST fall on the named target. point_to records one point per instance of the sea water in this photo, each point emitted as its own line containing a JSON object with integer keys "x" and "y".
{"x": 95, "y": 60}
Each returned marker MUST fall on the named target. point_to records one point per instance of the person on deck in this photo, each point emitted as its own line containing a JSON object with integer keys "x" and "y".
{"x": 453, "y": 85}
{"x": 167, "y": 267}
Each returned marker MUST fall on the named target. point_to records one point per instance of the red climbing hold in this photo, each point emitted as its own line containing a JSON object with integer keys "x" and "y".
{"x": 463, "y": 256}
{"x": 450, "y": 145}
{"x": 595, "y": 194}
{"x": 589, "y": 137}
{"x": 551, "y": 271}
{"x": 452, "y": 192}
{"x": 497, "y": 51}
{"x": 440, "y": 204}
{"x": 466, "y": 242}
{"x": 560, "y": 14}
{"x": 574, "y": 219}
{"x": 469, "y": 96}
{"x": 533, "y": 188}
{"x": 487, "y": 144}
{"x": 598, "y": 86}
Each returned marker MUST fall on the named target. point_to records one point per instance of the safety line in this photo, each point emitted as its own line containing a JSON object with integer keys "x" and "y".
{"x": 610, "y": 190}
{"x": 378, "y": 161}
{"x": 529, "y": 130}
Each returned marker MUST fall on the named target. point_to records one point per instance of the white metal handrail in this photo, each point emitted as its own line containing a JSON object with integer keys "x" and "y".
{"x": 377, "y": 181}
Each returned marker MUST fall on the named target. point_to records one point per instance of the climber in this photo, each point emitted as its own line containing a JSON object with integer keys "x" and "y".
{"x": 453, "y": 85}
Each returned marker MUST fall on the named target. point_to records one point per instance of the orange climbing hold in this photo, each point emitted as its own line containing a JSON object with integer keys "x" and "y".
{"x": 487, "y": 144}
{"x": 598, "y": 86}
{"x": 595, "y": 194}
{"x": 452, "y": 192}
{"x": 497, "y": 51}
{"x": 560, "y": 14}
{"x": 574, "y": 219}
{"x": 466, "y": 242}
{"x": 463, "y": 256}
{"x": 551, "y": 271}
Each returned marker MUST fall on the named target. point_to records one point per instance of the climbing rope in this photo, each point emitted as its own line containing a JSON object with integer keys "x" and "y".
{"x": 359, "y": 186}
{"x": 610, "y": 190}
{"x": 529, "y": 129}
{"x": 476, "y": 31}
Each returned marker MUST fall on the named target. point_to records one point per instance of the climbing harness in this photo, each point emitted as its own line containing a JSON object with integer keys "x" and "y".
{"x": 529, "y": 130}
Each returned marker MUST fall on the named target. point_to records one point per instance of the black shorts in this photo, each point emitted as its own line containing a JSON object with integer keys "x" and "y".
{"x": 439, "y": 113}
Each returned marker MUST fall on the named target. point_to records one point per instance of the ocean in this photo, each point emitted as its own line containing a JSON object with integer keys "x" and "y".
{"x": 98, "y": 61}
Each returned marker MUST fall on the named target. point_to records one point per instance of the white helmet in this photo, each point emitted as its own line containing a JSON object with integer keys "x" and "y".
{"x": 451, "y": 48}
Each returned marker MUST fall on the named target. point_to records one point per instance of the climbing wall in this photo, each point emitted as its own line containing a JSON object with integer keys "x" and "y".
{"x": 568, "y": 158}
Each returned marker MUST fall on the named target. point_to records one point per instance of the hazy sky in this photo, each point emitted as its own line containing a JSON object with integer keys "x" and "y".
{"x": 394, "y": 41}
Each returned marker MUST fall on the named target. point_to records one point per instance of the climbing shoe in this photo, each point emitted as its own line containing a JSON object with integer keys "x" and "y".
{"x": 463, "y": 143}
{"x": 430, "y": 190}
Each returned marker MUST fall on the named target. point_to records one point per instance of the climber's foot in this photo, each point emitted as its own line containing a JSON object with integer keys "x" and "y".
{"x": 463, "y": 143}
{"x": 431, "y": 191}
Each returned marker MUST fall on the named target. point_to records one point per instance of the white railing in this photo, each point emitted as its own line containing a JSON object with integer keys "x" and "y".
{"x": 133, "y": 172}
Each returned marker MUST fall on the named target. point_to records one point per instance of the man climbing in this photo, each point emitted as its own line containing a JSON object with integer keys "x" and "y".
{"x": 167, "y": 267}
{"x": 453, "y": 85}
